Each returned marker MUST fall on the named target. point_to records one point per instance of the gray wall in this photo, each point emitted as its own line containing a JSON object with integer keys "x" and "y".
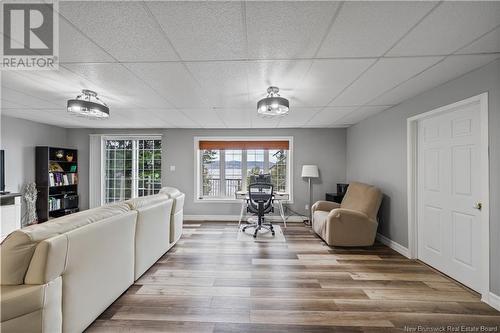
{"x": 376, "y": 153}
{"x": 324, "y": 147}
{"x": 19, "y": 138}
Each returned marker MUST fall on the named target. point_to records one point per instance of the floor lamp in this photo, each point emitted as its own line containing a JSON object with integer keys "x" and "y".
{"x": 309, "y": 172}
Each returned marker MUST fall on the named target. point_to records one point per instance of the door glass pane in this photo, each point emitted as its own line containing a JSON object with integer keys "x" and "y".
{"x": 117, "y": 171}
{"x": 149, "y": 167}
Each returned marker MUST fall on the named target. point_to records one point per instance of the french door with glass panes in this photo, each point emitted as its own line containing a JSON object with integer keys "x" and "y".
{"x": 132, "y": 167}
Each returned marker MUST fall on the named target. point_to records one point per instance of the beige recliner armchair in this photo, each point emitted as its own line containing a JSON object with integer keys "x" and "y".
{"x": 351, "y": 223}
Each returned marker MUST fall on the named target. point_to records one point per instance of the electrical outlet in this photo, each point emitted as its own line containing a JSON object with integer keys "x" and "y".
{"x": 307, "y": 207}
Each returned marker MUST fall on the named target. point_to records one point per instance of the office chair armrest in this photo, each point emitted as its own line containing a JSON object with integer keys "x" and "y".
{"x": 325, "y": 206}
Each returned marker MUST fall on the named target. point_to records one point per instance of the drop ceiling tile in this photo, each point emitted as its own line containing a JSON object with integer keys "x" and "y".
{"x": 50, "y": 117}
{"x": 236, "y": 118}
{"x": 370, "y": 28}
{"x": 384, "y": 75}
{"x": 173, "y": 81}
{"x": 488, "y": 43}
{"x": 75, "y": 47}
{"x": 259, "y": 121}
{"x": 223, "y": 83}
{"x": 451, "y": 26}
{"x": 450, "y": 68}
{"x": 360, "y": 114}
{"x": 329, "y": 115}
{"x": 36, "y": 99}
{"x": 124, "y": 29}
{"x": 9, "y": 104}
{"x": 287, "y": 29}
{"x": 53, "y": 88}
{"x": 205, "y": 117}
{"x": 283, "y": 74}
{"x": 117, "y": 86}
{"x": 327, "y": 78}
{"x": 203, "y": 30}
{"x": 175, "y": 118}
{"x": 298, "y": 117}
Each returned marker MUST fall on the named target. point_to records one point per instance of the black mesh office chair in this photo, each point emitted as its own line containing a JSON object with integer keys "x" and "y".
{"x": 260, "y": 202}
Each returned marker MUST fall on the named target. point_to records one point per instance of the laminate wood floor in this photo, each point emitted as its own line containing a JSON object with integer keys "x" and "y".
{"x": 210, "y": 282}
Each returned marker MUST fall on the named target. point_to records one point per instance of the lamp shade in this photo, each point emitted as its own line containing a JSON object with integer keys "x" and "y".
{"x": 310, "y": 171}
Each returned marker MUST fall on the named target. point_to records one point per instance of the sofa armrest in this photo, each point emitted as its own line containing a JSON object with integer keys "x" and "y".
{"x": 347, "y": 227}
{"x": 324, "y": 206}
{"x": 32, "y": 308}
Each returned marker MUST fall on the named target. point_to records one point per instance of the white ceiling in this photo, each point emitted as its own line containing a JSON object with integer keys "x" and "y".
{"x": 205, "y": 64}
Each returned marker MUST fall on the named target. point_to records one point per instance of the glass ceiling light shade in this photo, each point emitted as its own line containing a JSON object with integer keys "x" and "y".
{"x": 273, "y": 104}
{"x": 88, "y": 105}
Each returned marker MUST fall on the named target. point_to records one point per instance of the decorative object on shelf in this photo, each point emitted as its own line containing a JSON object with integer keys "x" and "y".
{"x": 309, "y": 172}
{"x": 69, "y": 157}
{"x": 88, "y": 105}
{"x": 30, "y": 194}
{"x": 55, "y": 167}
{"x": 273, "y": 104}
{"x": 60, "y": 154}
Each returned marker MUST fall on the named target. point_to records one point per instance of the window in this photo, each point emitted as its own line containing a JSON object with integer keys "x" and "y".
{"x": 132, "y": 167}
{"x": 225, "y": 165}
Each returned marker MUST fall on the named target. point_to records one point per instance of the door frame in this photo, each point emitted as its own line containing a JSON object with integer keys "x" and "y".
{"x": 412, "y": 168}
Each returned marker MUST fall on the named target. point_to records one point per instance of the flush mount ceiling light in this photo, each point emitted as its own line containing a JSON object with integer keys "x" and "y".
{"x": 88, "y": 105}
{"x": 273, "y": 104}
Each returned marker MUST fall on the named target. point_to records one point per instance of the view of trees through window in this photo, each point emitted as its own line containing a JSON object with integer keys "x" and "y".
{"x": 222, "y": 170}
{"x": 132, "y": 168}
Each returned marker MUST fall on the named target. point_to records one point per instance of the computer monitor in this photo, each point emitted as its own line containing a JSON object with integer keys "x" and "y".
{"x": 262, "y": 178}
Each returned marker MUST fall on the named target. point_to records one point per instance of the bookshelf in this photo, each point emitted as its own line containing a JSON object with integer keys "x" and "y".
{"x": 56, "y": 177}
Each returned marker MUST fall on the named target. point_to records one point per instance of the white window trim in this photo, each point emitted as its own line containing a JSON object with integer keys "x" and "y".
{"x": 197, "y": 166}
{"x": 105, "y": 137}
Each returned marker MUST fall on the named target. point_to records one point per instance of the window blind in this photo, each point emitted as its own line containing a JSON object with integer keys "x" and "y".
{"x": 224, "y": 145}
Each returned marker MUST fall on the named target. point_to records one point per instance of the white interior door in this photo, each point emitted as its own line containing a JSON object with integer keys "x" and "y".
{"x": 449, "y": 193}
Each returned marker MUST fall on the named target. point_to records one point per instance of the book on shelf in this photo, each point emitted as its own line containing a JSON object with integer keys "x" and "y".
{"x": 61, "y": 179}
{"x": 54, "y": 204}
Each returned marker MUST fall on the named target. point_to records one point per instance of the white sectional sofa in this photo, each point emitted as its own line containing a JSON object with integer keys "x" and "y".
{"x": 59, "y": 276}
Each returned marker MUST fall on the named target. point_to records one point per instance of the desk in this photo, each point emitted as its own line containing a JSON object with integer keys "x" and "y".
{"x": 279, "y": 197}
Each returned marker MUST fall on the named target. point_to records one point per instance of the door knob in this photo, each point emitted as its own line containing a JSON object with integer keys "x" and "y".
{"x": 478, "y": 206}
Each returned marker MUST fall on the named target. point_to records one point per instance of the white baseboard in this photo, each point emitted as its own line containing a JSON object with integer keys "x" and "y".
{"x": 493, "y": 301}
{"x": 235, "y": 218}
{"x": 393, "y": 245}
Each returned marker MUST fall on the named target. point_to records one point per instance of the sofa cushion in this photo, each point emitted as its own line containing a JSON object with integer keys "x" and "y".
{"x": 172, "y": 192}
{"x": 149, "y": 200}
{"x": 17, "y": 249}
{"x": 362, "y": 198}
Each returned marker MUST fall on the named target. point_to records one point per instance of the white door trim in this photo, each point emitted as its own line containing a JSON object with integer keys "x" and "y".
{"x": 412, "y": 159}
